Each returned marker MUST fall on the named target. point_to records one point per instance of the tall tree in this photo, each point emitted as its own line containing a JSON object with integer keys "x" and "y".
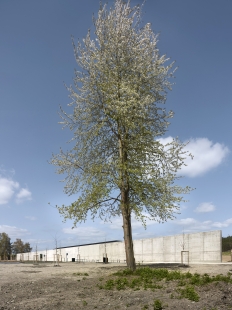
{"x": 118, "y": 164}
{"x": 20, "y": 247}
{"x": 5, "y": 246}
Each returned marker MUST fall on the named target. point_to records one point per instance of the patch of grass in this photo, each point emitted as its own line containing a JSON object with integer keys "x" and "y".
{"x": 80, "y": 274}
{"x": 227, "y": 253}
{"x": 109, "y": 285}
{"x": 181, "y": 283}
{"x": 121, "y": 283}
{"x": 189, "y": 293}
{"x": 158, "y": 305}
{"x": 149, "y": 278}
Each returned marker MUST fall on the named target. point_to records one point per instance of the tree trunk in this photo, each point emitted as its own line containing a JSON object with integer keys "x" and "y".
{"x": 126, "y": 212}
{"x": 130, "y": 260}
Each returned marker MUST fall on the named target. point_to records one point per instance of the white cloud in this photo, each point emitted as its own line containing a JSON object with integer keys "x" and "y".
{"x": 86, "y": 234}
{"x": 223, "y": 224}
{"x": 7, "y": 189}
{"x": 13, "y": 232}
{"x": 23, "y": 195}
{"x": 31, "y": 218}
{"x": 116, "y": 222}
{"x": 191, "y": 224}
{"x": 10, "y": 188}
{"x": 205, "y": 207}
{"x": 207, "y": 155}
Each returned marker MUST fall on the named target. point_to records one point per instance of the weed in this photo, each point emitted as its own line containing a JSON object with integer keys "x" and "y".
{"x": 121, "y": 284}
{"x": 145, "y": 307}
{"x": 80, "y": 274}
{"x": 158, "y": 305}
{"x": 109, "y": 284}
{"x": 85, "y": 303}
{"x": 189, "y": 293}
{"x": 181, "y": 283}
{"x": 148, "y": 278}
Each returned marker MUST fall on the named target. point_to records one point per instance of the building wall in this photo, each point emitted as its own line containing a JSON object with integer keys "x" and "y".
{"x": 199, "y": 247}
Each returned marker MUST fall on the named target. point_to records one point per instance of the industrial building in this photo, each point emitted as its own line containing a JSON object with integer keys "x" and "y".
{"x": 201, "y": 247}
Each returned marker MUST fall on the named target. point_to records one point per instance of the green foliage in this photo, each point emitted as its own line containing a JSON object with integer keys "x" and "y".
{"x": 181, "y": 283}
{"x": 20, "y": 247}
{"x": 158, "y": 305}
{"x": 109, "y": 284}
{"x": 80, "y": 274}
{"x": 189, "y": 293}
{"x": 5, "y": 246}
{"x": 149, "y": 278}
{"x": 118, "y": 164}
{"x": 226, "y": 243}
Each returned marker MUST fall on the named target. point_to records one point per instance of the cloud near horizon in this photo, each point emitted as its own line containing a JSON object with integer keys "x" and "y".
{"x": 193, "y": 225}
{"x": 205, "y": 207}
{"x": 85, "y": 234}
{"x": 13, "y": 231}
{"x": 207, "y": 155}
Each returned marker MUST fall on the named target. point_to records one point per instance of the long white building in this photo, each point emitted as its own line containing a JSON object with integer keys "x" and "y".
{"x": 196, "y": 247}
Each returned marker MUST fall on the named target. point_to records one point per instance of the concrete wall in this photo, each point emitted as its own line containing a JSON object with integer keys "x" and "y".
{"x": 201, "y": 247}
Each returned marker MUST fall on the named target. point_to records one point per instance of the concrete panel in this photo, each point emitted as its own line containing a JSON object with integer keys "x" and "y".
{"x": 169, "y": 248}
{"x": 196, "y": 244}
{"x": 158, "y": 249}
{"x": 138, "y": 250}
{"x": 202, "y": 247}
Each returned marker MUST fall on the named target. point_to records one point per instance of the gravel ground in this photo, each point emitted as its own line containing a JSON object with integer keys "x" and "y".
{"x": 27, "y": 286}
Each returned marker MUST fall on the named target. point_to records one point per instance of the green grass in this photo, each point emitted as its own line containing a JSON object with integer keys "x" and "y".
{"x": 227, "y": 253}
{"x": 158, "y": 305}
{"x": 189, "y": 293}
{"x": 149, "y": 278}
{"x": 80, "y": 274}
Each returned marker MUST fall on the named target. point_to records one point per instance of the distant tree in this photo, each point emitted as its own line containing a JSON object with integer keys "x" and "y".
{"x": 19, "y": 247}
{"x": 117, "y": 163}
{"x": 226, "y": 243}
{"x": 5, "y": 246}
{"x": 27, "y": 247}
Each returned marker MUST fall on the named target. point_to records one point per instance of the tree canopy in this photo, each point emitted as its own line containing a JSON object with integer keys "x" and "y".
{"x": 117, "y": 164}
{"x": 20, "y": 247}
{"x": 7, "y": 248}
{"x": 5, "y": 245}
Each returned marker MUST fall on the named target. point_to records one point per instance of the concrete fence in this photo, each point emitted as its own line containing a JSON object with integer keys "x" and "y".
{"x": 196, "y": 248}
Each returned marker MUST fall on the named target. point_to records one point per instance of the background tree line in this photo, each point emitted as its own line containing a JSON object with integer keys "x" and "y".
{"x": 226, "y": 243}
{"x": 7, "y": 248}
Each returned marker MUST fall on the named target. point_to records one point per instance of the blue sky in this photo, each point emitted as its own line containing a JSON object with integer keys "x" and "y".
{"x": 36, "y": 59}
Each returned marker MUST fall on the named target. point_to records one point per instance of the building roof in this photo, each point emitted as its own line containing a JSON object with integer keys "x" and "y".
{"x": 78, "y": 245}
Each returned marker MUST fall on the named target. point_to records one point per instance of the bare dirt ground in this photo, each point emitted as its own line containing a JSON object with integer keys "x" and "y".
{"x": 26, "y": 286}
